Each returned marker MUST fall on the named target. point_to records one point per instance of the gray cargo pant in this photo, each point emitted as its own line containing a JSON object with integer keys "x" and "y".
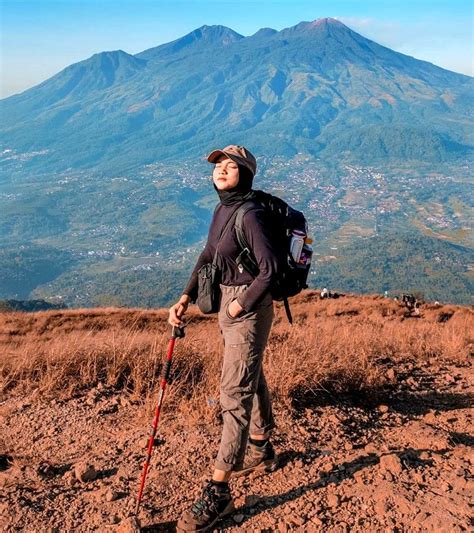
{"x": 244, "y": 396}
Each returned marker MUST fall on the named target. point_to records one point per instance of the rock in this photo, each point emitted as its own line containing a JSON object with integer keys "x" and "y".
{"x": 333, "y": 500}
{"x": 252, "y": 500}
{"x": 382, "y": 408}
{"x": 111, "y": 495}
{"x": 85, "y": 472}
{"x": 390, "y": 374}
{"x": 238, "y": 518}
{"x": 348, "y": 446}
{"x": 129, "y": 525}
{"x": 297, "y": 520}
{"x": 143, "y": 442}
{"x": 391, "y": 463}
{"x": 327, "y": 467}
{"x": 430, "y": 417}
{"x": 370, "y": 448}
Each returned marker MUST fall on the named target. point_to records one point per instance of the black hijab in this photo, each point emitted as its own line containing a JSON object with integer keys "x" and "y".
{"x": 241, "y": 192}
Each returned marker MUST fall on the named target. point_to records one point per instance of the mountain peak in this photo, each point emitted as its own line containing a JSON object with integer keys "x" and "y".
{"x": 216, "y": 33}
{"x": 326, "y": 21}
{"x": 205, "y": 35}
{"x": 264, "y": 32}
{"x": 321, "y": 24}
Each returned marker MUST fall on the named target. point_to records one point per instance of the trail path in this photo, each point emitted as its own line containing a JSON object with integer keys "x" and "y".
{"x": 400, "y": 464}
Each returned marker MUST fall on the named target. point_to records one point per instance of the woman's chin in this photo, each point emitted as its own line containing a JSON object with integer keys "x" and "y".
{"x": 223, "y": 186}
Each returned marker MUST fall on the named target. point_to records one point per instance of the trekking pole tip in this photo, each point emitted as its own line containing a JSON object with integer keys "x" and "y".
{"x": 130, "y": 525}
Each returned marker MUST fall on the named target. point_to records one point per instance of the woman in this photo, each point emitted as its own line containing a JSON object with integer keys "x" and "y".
{"x": 245, "y": 318}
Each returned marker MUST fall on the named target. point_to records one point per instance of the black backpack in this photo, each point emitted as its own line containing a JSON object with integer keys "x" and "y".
{"x": 283, "y": 220}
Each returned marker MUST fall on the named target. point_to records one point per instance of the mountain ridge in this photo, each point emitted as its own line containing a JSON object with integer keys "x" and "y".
{"x": 317, "y": 87}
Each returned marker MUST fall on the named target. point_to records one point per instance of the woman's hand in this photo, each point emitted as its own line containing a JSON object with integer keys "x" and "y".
{"x": 234, "y": 309}
{"x": 176, "y": 311}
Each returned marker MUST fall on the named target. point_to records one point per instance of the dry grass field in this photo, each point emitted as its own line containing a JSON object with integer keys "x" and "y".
{"x": 355, "y": 381}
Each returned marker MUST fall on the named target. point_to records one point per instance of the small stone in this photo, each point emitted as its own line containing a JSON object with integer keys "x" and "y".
{"x": 333, "y": 500}
{"x": 425, "y": 456}
{"x": 326, "y": 468}
{"x": 129, "y": 525}
{"x": 297, "y": 520}
{"x": 382, "y": 408}
{"x": 391, "y": 463}
{"x": 85, "y": 472}
{"x": 143, "y": 442}
{"x": 430, "y": 417}
{"x": 111, "y": 495}
{"x": 252, "y": 500}
{"x": 348, "y": 446}
{"x": 238, "y": 518}
{"x": 370, "y": 448}
{"x": 390, "y": 374}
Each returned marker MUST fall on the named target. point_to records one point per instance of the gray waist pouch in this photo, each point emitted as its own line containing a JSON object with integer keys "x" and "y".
{"x": 208, "y": 289}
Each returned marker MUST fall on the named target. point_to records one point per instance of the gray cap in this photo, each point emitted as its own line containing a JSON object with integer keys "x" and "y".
{"x": 239, "y": 154}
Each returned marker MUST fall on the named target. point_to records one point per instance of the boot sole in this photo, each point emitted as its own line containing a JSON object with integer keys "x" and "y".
{"x": 270, "y": 465}
{"x": 226, "y": 512}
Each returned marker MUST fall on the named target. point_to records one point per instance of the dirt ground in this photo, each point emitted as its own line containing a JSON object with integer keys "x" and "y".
{"x": 401, "y": 462}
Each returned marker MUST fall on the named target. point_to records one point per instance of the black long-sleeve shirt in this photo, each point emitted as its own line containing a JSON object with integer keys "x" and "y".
{"x": 256, "y": 231}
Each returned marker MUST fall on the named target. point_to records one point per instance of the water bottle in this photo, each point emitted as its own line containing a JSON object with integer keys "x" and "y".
{"x": 296, "y": 245}
{"x": 306, "y": 252}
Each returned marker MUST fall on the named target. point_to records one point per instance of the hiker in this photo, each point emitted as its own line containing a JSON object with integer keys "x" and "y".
{"x": 245, "y": 317}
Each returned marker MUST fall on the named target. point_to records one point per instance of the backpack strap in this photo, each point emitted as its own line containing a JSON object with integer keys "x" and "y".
{"x": 246, "y": 259}
{"x": 287, "y": 310}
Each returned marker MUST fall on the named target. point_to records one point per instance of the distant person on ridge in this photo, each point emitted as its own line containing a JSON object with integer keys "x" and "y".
{"x": 245, "y": 318}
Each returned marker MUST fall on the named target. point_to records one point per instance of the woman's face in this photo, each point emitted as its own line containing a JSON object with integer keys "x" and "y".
{"x": 225, "y": 174}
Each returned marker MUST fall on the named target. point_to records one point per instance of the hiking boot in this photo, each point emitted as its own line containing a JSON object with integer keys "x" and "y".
{"x": 258, "y": 458}
{"x": 215, "y": 502}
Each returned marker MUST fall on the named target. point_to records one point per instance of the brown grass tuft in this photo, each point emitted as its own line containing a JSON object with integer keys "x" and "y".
{"x": 339, "y": 346}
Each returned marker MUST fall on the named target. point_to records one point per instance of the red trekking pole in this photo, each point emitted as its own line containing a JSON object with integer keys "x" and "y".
{"x": 177, "y": 333}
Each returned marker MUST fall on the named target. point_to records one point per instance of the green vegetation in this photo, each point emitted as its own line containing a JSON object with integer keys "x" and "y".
{"x": 400, "y": 263}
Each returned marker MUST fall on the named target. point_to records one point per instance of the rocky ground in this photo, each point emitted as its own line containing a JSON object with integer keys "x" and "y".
{"x": 398, "y": 462}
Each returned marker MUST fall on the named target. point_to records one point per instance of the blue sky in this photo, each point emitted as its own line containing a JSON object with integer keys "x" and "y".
{"x": 41, "y": 37}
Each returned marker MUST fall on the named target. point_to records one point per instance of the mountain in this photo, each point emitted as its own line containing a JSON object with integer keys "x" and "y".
{"x": 317, "y": 88}
{"x": 196, "y": 41}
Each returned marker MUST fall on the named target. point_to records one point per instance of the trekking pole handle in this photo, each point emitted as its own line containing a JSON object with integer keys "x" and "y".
{"x": 177, "y": 332}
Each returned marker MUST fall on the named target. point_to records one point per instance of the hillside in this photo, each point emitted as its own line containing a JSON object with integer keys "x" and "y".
{"x": 373, "y": 407}
{"x": 318, "y": 88}
{"x": 105, "y": 192}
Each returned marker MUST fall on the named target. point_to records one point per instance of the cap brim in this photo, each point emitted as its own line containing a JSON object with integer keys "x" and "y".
{"x": 213, "y": 156}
